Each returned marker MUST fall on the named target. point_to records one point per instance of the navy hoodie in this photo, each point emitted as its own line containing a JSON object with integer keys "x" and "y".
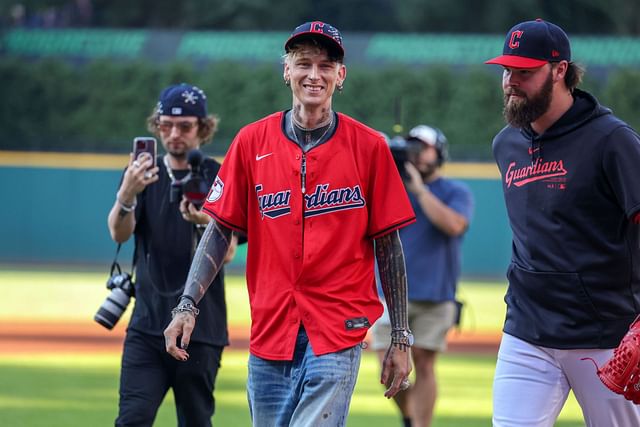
{"x": 573, "y": 196}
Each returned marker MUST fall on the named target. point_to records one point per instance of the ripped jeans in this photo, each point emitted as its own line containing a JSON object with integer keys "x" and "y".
{"x": 307, "y": 391}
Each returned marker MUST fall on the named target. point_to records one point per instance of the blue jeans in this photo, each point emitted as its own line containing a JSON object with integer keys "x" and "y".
{"x": 307, "y": 391}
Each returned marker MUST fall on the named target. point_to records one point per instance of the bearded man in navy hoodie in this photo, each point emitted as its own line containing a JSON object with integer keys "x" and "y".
{"x": 569, "y": 172}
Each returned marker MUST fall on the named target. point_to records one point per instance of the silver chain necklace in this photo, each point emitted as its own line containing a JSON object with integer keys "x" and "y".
{"x": 309, "y": 143}
{"x": 169, "y": 170}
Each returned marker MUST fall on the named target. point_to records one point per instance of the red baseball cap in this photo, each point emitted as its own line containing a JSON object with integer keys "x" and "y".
{"x": 326, "y": 34}
{"x": 532, "y": 44}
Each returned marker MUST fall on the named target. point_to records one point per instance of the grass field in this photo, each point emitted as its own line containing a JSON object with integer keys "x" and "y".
{"x": 76, "y": 295}
{"x": 46, "y": 389}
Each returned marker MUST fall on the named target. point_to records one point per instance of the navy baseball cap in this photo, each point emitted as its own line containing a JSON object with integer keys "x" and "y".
{"x": 532, "y": 44}
{"x": 326, "y": 34}
{"x": 182, "y": 100}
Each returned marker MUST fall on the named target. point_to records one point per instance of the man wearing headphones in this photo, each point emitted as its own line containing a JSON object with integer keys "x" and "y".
{"x": 432, "y": 248}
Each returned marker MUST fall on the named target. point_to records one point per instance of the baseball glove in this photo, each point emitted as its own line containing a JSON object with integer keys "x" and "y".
{"x": 621, "y": 373}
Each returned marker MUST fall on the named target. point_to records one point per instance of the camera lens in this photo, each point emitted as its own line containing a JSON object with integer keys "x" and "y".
{"x": 112, "y": 308}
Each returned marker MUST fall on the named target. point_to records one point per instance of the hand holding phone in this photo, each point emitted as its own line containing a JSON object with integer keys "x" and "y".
{"x": 145, "y": 144}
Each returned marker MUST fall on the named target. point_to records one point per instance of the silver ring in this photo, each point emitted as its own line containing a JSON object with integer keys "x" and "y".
{"x": 405, "y": 384}
{"x": 136, "y": 163}
{"x": 148, "y": 175}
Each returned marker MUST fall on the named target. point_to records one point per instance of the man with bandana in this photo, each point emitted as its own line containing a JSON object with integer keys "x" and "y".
{"x": 166, "y": 233}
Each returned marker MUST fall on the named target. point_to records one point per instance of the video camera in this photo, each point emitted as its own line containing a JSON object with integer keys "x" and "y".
{"x": 403, "y": 151}
{"x": 193, "y": 185}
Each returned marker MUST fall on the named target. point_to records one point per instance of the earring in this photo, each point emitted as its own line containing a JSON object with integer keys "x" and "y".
{"x": 340, "y": 87}
{"x": 287, "y": 83}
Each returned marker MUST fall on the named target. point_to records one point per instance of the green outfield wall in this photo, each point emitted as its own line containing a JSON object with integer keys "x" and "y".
{"x": 56, "y": 206}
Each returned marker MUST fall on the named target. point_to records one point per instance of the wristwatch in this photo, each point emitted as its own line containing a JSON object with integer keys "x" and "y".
{"x": 402, "y": 337}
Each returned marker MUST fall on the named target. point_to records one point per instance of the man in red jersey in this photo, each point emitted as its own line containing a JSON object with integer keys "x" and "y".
{"x": 313, "y": 190}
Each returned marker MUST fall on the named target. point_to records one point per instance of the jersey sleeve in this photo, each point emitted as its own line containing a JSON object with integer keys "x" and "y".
{"x": 389, "y": 205}
{"x": 621, "y": 158}
{"x": 227, "y": 198}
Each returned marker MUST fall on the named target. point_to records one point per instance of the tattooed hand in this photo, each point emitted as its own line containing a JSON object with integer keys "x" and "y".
{"x": 181, "y": 327}
{"x": 207, "y": 262}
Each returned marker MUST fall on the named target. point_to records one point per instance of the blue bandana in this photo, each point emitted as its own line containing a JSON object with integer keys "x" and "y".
{"x": 182, "y": 100}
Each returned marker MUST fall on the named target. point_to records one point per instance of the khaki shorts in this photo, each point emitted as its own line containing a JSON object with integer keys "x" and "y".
{"x": 429, "y": 322}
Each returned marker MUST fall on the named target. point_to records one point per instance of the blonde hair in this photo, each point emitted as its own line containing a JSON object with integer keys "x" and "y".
{"x": 313, "y": 46}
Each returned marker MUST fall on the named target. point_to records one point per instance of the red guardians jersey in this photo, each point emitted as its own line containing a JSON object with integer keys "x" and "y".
{"x": 310, "y": 219}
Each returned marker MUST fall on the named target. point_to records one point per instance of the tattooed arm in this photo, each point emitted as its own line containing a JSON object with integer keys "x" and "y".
{"x": 396, "y": 365}
{"x": 393, "y": 277}
{"x": 207, "y": 262}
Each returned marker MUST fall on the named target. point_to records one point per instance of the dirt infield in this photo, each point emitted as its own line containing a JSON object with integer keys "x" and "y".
{"x": 73, "y": 337}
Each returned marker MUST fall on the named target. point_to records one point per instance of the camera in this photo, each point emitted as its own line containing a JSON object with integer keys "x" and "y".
{"x": 402, "y": 151}
{"x": 193, "y": 185}
{"x": 121, "y": 287}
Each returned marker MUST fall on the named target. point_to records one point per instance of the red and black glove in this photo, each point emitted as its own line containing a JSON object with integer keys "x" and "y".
{"x": 621, "y": 373}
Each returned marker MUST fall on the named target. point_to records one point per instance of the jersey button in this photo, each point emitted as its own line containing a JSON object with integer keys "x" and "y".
{"x": 296, "y": 255}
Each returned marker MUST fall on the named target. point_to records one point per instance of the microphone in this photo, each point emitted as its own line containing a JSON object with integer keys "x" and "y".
{"x": 195, "y": 158}
{"x": 195, "y": 186}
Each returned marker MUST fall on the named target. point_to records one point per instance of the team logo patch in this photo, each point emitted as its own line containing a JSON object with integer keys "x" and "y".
{"x": 273, "y": 205}
{"x": 538, "y": 171}
{"x": 514, "y": 41}
{"x": 216, "y": 190}
{"x": 323, "y": 200}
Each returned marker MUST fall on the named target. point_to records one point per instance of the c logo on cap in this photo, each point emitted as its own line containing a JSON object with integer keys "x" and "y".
{"x": 513, "y": 43}
{"x": 316, "y": 27}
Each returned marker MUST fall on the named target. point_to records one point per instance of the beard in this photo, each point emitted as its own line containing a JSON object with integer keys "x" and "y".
{"x": 522, "y": 112}
{"x": 178, "y": 154}
{"x": 177, "y": 148}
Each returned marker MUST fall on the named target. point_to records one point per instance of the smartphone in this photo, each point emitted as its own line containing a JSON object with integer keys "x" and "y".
{"x": 145, "y": 144}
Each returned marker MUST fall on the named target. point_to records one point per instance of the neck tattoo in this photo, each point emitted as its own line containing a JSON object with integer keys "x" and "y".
{"x": 308, "y": 142}
{"x": 302, "y": 128}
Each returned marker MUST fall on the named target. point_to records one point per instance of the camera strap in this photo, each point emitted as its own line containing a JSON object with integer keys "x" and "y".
{"x": 115, "y": 266}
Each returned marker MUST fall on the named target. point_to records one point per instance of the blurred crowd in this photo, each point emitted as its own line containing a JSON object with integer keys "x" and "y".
{"x": 74, "y": 13}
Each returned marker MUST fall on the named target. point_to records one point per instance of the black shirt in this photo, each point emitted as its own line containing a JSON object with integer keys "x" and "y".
{"x": 165, "y": 245}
